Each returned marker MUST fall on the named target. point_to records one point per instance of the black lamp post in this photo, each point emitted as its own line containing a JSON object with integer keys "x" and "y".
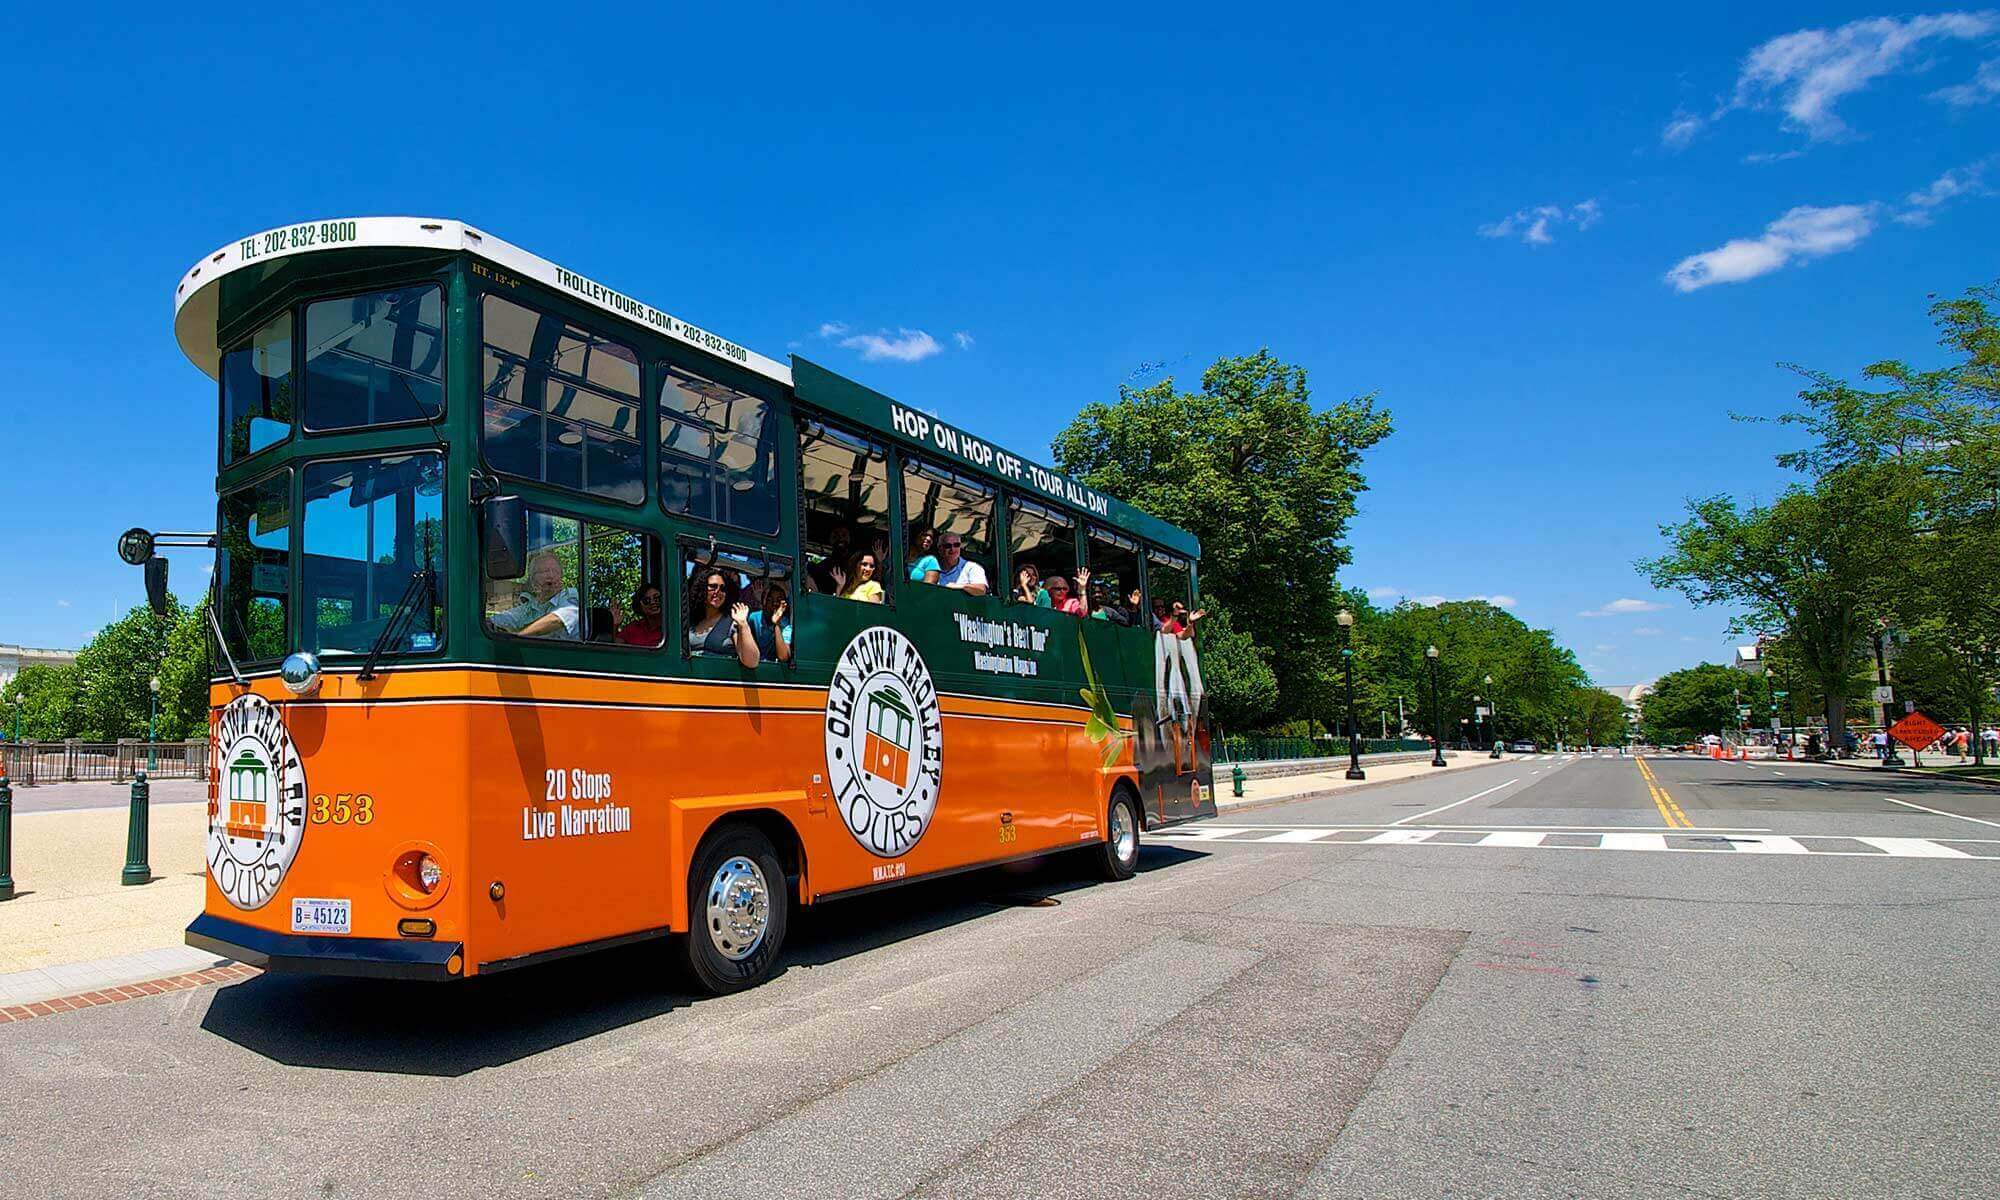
{"x": 1346, "y": 620}
{"x": 1437, "y": 714}
{"x": 1492, "y": 725}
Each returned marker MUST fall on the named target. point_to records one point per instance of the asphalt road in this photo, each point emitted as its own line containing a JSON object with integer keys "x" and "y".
{"x": 1534, "y": 979}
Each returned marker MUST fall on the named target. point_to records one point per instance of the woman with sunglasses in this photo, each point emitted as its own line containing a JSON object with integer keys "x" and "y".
{"x": 645, "y": 627}
{"x": 719, "y": 623}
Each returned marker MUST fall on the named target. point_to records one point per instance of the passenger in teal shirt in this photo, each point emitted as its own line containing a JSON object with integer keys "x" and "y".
{"x": 924, "y": 567}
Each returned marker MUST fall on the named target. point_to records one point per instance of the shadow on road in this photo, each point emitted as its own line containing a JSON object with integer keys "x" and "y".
{"x": 450, "y": 1029}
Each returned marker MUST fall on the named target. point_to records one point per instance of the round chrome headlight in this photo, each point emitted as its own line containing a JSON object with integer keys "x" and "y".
{"x": 300, "y": 673}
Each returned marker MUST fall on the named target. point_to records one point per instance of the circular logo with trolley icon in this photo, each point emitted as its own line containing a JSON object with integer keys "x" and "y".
{"x": 884, "y": 741}
{"x": 257, "y": 803}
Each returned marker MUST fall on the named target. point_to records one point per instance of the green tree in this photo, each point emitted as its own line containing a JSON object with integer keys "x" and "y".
{"x": 1265, "y": 480}
{"x": 1242, "y": 691}
{"x": 43, "y": 703}
{"x": 1534, "y": 678}
{"x": 1685, "y": 705}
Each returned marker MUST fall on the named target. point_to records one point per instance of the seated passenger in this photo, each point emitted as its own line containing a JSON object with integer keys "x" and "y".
{"x": 924, "y": 566}
{"x": 1059, "y": 597}
{"x": 1102, "y": 608}
{"x": 861, "y": 583}
{"x": 1028, "y": 587}
{"x": 548, "y": 609}
{"x": 772, "y": 626}
{"x": 1183, "y": 620}
{"x": 718, "y": 624}
{"x": 644, "y": 626}
{"x": 957, "y": 570}
{"x": 824, "y": 573}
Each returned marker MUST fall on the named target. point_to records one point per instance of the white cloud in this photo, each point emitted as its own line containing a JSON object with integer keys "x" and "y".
{"x": 1501, "y": 601}
{"x": 1433, "y": 600}
{"x": 1601, "y": 648}
{"x": 1427, "y": 601}
{"x": 1647, "y": 631}
{"x": 1686, "y": 638}
{"x": 1533, "y": 225}
{"x": 1983, "y": 87}
{"x": 1771, "y": 156}
{"x": 905, "y": 345}
{"x": 1682, "y": 129}
{"x": 832, "y": 329}
{"x": 1624, "y": 607}
{"x": 963, "y": 339}
{"x": 1801, "y": 235}
{"x": 1960, "y": 181}
{"x": 1383, "y": 593}
{"x": 62, "y": 604}
{"x": 1812, "y": 70}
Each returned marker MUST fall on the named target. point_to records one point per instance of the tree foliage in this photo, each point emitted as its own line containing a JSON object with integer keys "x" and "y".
{"x": 1685, "y": 705}
{"x": 104, "y": 695}
{"x": 1265, "y": 480}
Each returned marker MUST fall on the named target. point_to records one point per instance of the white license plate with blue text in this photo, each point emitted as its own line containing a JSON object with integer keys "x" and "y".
{"x": 321, "y": 916}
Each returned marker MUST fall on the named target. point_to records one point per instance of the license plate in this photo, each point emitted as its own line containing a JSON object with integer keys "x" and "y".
{"x": 321, "y": 916}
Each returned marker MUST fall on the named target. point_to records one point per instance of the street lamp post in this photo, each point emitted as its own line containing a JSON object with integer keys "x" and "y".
{"x": 1437, "y": 714}
{"x": 1889, "y": 756}
{"x": 1493, "y": 726}
{"x": 1346, "y": 620}
{"x": 152, "y": 721}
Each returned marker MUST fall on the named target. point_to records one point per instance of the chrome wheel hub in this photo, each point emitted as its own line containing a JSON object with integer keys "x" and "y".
{"x": 739, "y": 909}
{"x": 1124, "y": 833}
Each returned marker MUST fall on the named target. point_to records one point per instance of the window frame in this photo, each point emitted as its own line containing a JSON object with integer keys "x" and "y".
{"x": 783, "y": 429}
{"x": 444, "y": 560}
{"x": 804, "y": 420}
{"x": 1047, "y": 512}
{"x": 909, "y": 461}
{"x": 690, "y": 549}
{"x": 304, "y": 307}
{"x": 640, "y": 403}
{"x": 222, "y": 462}
{"x": 293, "y": 561}
{"x": 583, "y": 524}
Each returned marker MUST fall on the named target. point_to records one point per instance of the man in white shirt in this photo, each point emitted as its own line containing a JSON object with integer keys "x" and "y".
{"x": 957, "y": 571}
{"x": 549, "y": 610}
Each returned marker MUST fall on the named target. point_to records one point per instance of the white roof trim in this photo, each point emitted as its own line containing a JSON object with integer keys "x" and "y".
{"x": 195, "y": 298}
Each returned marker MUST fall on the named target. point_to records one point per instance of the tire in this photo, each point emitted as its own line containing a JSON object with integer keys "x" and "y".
{"x": 736, "y": 873}
{"x": 1118, "y": 856}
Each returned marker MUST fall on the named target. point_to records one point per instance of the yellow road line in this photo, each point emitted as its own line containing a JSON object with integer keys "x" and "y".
{"x": 1670, "y": 812}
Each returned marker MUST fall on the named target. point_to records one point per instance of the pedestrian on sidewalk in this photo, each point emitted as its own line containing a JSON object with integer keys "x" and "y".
{"x": 1963, "y": 737}
{"x": 1880, "y": 739}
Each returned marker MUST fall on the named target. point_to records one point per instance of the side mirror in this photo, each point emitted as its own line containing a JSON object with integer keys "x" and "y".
{"x": 156, "y": 585}
{"x": 504, "y": 530}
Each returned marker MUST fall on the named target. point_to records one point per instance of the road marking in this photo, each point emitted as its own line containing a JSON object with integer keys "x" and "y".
{"x": 1913, "y": 847}
{"x": 1454, "y": 804}
{"x": 1771, "y": 845}
{"x": 1297, "y": 835}
{"x": 1940, "y": 812}
{"x": 1670, "y": 812}
{"x": 1629, "y": 840}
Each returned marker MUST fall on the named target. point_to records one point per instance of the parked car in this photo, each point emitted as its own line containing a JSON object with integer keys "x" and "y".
{"x": 1523, "y": 748}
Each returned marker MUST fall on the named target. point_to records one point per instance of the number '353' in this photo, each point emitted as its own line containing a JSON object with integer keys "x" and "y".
{"x": 342, "y": 808}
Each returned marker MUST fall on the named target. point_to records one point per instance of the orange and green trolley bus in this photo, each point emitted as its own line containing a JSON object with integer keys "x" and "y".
{"x": 546, "y": 621}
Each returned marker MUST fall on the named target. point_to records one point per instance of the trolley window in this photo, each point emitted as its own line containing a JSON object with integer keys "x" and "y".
{"x": 562, "y": 403}
{"x": 257, "y": 391}
{"x": 718, "y": 452}
{"x": 376, "y": 359}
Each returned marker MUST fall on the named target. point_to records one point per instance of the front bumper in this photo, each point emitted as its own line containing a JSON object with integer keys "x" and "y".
{"x": 381, "y": 958}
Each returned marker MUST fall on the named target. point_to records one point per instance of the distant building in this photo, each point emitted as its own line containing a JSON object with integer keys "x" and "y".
{"x": 13, "y": 658}
{"x": 1750, "y": 659}
{"x": 1630, "y": 694}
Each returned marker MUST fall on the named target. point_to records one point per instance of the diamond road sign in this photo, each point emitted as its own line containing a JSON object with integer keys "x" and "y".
{"x": 1916, "y": 731}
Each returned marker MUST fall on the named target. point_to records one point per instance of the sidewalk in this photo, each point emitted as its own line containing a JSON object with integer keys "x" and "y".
{"x": 1281, "y": 789}
{"x": 73, "y": 927}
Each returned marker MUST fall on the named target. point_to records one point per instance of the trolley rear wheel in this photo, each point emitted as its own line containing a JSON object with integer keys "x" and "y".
{"x": 1118, "y": 856}
{"x": 737, "y": 910}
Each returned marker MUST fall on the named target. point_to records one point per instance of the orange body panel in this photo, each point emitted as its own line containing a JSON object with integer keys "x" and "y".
{"x": 585, "y": 798}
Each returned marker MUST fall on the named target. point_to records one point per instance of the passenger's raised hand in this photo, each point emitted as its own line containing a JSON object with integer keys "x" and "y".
{"x": 739, "y": 612}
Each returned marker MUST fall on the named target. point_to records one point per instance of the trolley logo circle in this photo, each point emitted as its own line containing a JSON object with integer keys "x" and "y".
{"x": 884, "y": 741}
{"x": 257, "y": 809}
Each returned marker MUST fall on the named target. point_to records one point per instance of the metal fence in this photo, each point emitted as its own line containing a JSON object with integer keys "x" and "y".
{"x": 1268, "y": 749}
{"x": 27, "y": 764}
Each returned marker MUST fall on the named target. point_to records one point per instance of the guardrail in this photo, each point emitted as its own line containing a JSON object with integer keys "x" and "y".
{"x": 27, "y": 764}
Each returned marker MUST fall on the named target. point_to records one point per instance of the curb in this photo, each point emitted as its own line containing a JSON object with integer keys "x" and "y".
{"x": 1222, "y": 810}
{"x": 233, "y": 973}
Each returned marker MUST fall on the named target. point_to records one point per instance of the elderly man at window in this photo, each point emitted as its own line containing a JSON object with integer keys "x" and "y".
{"x": 549, "y": 609}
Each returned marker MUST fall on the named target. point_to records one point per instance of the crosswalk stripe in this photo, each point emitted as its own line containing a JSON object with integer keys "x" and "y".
{"x": 1913, "y": 847}
{"x": 1686, "y": 842}
{"x": 1770, "y": 845}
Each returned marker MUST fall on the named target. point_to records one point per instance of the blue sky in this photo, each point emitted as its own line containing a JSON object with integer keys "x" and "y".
{"x": 1561, "y": 244}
